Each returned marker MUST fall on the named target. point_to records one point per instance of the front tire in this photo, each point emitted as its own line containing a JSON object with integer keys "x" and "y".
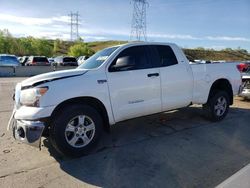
{"x": 217, "y": 106}
{"x": 75, "y": 130}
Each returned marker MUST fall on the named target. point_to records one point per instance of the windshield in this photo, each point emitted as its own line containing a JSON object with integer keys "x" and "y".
{"x": 97, "y": 59}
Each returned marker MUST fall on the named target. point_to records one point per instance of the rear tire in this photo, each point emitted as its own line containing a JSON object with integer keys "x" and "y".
{"x": 75, "y": 130}
{"x": 217, "y": 106}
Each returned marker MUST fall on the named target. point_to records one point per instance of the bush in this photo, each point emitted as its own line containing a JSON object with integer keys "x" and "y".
{"x": 80, "y": 49}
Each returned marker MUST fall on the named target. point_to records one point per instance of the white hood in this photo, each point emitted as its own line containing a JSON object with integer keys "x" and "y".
{"x": 51, "y": 76}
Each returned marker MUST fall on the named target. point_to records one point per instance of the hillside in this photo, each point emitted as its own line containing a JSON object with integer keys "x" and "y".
{"x": 205, "y": 54}
{"x": 96, "y": 46}
{"x": 227, "y": 55}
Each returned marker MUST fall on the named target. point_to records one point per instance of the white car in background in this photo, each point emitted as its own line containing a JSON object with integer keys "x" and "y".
{"x": 81, "y": 59}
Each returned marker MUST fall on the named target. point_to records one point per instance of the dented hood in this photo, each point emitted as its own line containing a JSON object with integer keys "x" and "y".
{"x": 48, "y": 77}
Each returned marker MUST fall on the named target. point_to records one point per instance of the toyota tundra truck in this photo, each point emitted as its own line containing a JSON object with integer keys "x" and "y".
{"x": 74, "y": 107}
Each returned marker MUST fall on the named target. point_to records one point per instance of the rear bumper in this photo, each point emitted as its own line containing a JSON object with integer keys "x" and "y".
{"x": 28, "y": 132}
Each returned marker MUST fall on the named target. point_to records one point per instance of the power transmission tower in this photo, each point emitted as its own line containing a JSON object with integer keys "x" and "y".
{"x": 74, "y": 23}
{"x": 139, "y": 20}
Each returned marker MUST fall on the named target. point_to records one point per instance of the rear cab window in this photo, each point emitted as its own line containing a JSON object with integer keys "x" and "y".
{"x": 165, "y": 55}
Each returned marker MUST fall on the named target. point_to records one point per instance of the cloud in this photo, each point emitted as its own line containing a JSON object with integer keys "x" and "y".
{"x": 91, "y": 38}
{"x": 58, "y": 27}
{"x": 102, "y": 31}
{"x": 33, "y": 20}
{"x": 173, "y": 36}
{"x": 190, "y": 37}
{"x": 226, "y": 38}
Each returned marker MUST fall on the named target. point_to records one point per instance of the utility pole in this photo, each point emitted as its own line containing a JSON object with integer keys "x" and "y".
{"x": 139, "y": 20}
{"x": 74, "y": 23}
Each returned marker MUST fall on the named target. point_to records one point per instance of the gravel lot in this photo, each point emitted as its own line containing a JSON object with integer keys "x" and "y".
{"x": 175, "y": 149}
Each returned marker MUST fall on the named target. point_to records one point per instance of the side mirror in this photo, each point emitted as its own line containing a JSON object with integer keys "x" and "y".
{"x": 124, "y": 63}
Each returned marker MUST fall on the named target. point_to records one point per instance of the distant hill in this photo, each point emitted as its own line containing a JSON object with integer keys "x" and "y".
{"x": 99, "y": 45}
{"x": 227, "y": 55}
{"x": 205, "y": 54}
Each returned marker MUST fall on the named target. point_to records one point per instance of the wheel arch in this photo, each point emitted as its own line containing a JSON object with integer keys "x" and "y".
{"x": 93, "y": 102}
{"x": 222, "y": 84}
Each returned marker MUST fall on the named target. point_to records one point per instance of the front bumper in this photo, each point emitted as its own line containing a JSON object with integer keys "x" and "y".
{"x": 28, "y": 132}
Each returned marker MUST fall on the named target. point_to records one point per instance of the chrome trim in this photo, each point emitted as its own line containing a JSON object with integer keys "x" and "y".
{"x": 11, "y": 120}
{"x": 28, "y": 132}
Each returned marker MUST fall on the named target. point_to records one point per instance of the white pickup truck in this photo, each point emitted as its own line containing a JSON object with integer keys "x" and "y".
{"x": 118, "y": 83}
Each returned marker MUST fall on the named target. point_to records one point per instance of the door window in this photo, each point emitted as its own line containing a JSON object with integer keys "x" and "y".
{"x": 166, "y": 56}
{"x": 132, "y": 58}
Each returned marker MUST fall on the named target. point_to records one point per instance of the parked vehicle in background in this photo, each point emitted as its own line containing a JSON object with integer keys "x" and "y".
{"x": 23, "y": 60}
{"x": 51, "y": 60}
{"x": 9, "y": 60}
{"x": 82, "y": 59}
{"x": 65, "y": 61}
{"x": 202, "y": 61}
{"x": 37, "y": 61}
{"x": 117, "y": 84}
{"x": 246, "y": 84}
{"x": 219, "y": 61}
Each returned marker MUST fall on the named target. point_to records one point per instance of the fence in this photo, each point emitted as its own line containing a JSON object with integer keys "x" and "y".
{"x": 27, "y": 71}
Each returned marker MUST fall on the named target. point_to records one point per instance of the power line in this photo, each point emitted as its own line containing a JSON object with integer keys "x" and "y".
{"x": 139, "y": 20}
{"x": 74, "y": 23}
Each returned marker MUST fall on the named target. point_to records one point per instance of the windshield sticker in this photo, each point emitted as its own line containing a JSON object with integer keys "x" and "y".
{"x": 102, "y": 58}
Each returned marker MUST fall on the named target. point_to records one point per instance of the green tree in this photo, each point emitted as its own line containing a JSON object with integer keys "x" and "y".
{"x": 80, "y": 49}
{"x": 56, "y": 47}
{"x": 42, "y": 47}
{"x": 2, "y": 42}
{"x": 25, "y": 46}
{"x": 8, "y": 44}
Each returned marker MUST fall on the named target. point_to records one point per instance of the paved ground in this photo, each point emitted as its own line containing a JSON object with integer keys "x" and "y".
{"x": 174, "y": 149}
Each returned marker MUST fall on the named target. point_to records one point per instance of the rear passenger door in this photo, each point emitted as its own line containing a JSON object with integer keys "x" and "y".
{"x": 176, "y": 79}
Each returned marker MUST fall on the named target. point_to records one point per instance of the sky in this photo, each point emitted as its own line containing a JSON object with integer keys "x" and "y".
{"x": 216, "y": 24}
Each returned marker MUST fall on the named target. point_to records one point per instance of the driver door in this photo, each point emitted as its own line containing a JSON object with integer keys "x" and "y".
{"x": 135, "y": 88}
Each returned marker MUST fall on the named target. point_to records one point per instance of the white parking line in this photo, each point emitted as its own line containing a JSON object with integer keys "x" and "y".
{"x": 240, "y": 179}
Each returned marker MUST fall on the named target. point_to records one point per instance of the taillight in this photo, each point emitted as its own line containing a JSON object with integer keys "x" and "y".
{"x": 242, "y": 67}
{"x": 33, "y": 62}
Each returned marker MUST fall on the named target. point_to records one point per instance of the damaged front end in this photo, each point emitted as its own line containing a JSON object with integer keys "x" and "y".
{"x": 246, "y": 87}
{"x": 29, "y": 132}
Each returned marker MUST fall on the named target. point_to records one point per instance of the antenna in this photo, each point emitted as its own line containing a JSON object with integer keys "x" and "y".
{"x": 139, "y": 21}
{"x": 74, "y": 23}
